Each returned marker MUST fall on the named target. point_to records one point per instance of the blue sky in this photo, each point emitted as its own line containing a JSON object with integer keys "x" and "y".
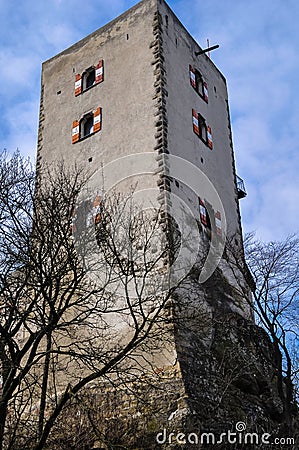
{"x": 258, "y": 55}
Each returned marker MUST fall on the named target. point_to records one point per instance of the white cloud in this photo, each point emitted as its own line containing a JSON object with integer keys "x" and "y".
{"x": 58, "y": 36}
{"x": 277, "y": 216}
{"x": 16, "y": 71}
{"x": 22, "y": 122}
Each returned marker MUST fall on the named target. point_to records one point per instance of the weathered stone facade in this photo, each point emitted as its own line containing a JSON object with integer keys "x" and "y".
{"x": 218, "y": 369}
{"x": 146, "y": 99}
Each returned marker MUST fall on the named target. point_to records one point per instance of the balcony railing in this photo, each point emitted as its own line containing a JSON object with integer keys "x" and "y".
{"x": 240, "y": 187}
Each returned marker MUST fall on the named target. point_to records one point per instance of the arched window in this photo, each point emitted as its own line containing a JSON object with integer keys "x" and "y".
{"x": 204, "y": 216}
{"x": 89, "y": 77}
{"x": 89, "y": 124}
{"x": 86, "y": 125}
{"x": 198, "y": 83}
{"x": 201, "y": 129}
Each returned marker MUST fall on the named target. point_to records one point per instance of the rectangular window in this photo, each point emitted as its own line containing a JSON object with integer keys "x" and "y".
{"x": 203, "y": 212}
{"x": 89, "y": 78}
{"x": 201, "y": 129}
{"x": 198, "y": 83}
{"x": 89, "y": 124}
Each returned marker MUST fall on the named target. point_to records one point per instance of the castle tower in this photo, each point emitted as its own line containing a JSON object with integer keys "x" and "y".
{"x": 137, "y": 85}
{"x": 138, "y": 97}
{"x": 138, "y": 101}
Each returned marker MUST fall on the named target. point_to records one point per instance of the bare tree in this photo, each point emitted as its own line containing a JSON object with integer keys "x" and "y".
{"x": 272, "y": 271}
{"x": 81, "y": 295}
{"x": 86, "y": 301}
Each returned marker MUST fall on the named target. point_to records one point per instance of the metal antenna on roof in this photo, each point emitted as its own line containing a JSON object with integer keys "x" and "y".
{"x": 206, "y": 50}
{"x": 208, "y": 45}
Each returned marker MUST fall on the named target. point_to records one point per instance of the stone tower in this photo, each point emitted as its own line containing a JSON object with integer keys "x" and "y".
{"x": 139, "y": 85}
{"x": 139, "y": 100}
{"x": 138, "y": 97}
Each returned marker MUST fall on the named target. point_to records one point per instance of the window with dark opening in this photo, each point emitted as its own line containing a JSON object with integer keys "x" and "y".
{"x": 205, "y": 217}
{"x": 86, "y": 125}
{"x": 198, "y": 83}
{"x": 89, "y": 124}
{"x": 201, "y": 129}
{"x": 89, "y": 78}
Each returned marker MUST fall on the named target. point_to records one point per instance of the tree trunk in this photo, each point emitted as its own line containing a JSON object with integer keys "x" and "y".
{"x": 3, "y": 401}
{"x": 3, "y": 415}
{"x": 44, "y": 390}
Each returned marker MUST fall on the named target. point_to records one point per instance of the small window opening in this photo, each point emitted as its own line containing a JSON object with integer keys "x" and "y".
{"x": 204, "y": 210}
{"x": 90, "y": 159}
{"x": 199, "y": 83}
{"x": 127, "y": 37}
{"x": 166, "y": 20}
{"x": 86, "y": 125}
{"x": 209, "y": 227}
{"x": 89, "y": 78}
{"x": 202, "y": 126}
{"x": 202, "y": 160}
{"x": 58, "y": 92}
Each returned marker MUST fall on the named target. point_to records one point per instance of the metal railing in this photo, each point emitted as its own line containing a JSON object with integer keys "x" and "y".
{"x": 240, "y": 187}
